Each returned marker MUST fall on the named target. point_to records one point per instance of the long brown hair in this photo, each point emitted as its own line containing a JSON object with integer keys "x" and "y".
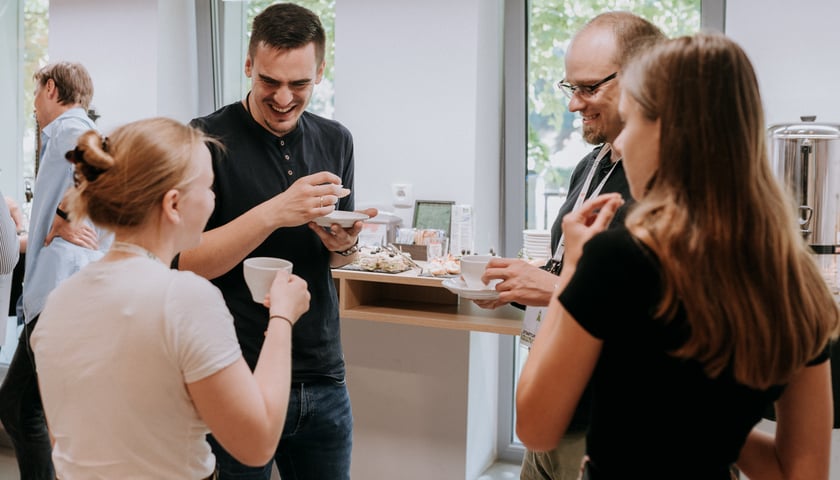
{"x": 718, "y": 220}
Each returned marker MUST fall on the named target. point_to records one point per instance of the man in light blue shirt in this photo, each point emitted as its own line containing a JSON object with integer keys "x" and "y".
{"x": 56, "y": 250}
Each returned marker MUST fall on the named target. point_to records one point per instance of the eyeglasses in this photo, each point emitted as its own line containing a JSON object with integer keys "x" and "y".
{"x": 585, "y": 91}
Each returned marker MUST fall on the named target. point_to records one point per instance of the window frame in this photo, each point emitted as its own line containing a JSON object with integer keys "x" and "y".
{"x": 216, "y": 28}
{"x": 514, "y": 190}
{"x": 14, "y": 172}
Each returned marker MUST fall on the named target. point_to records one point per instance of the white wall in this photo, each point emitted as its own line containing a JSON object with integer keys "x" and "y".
{"x": 409, "y": 392}
{"x": 177, "y": 79}
{"x": 418, "y": 84}
{"x": 794, "y": 49}
{"x": 482, "y": 403}
{"x": 140, "y": 54}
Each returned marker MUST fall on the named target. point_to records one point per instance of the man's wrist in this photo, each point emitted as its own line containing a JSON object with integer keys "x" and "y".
{"x": 350, "y": 251}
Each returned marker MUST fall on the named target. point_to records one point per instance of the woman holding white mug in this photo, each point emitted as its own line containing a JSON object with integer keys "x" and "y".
{"x": 138, "y": 362}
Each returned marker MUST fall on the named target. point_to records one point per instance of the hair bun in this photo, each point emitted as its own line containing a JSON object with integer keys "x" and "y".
{"x": 91, "y": 156}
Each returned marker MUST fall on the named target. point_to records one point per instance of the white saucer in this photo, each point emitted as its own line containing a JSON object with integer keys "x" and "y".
{"x": 458, "y": 287}
{"x": 343, "y": 218}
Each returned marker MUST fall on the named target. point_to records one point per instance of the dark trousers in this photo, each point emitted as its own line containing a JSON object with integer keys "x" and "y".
{"x": 22, "y": 413}
{"x": 317, "y": 438}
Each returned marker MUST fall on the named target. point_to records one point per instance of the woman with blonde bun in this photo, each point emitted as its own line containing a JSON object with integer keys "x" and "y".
{"x": 138, "y": 362}
{"x": 705, "y": 310}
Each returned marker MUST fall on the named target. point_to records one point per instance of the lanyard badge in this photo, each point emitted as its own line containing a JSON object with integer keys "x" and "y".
{"x": 534, "y": 315}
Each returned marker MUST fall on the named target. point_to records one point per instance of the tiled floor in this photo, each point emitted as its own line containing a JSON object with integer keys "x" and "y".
{"x": 9, "y": 471}
{"x": 501, "y": 471}
{"x": 8, "y": 465}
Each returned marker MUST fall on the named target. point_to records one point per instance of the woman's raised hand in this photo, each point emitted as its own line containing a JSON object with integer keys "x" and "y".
{"x": 593, "y": 216}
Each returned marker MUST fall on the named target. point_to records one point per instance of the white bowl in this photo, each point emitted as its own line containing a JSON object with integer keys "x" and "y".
{"x": 458, "y": 287}
{"x": 343, "y": 218}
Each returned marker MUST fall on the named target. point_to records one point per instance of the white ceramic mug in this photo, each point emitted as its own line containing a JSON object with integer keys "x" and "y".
{"x": 259, "y": 273}
{"x": 472, "y": 268}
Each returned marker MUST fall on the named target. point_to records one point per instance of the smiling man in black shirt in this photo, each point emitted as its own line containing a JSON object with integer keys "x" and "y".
{"x": 280, "y": 168}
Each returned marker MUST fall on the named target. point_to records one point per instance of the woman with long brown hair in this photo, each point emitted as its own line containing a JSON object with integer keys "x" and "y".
{"x": 705, "y": 310}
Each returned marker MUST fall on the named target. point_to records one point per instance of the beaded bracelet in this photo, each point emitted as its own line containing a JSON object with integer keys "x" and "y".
{"x": 351, "y": 250}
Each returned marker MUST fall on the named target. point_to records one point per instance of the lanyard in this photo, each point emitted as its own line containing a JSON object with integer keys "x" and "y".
{"x": 561, "y": 245}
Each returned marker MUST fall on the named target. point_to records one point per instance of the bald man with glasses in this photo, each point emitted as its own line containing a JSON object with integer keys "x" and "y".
{"x": 591, "y": 85}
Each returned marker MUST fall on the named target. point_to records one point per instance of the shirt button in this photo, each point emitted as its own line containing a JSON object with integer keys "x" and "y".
{"x": 290, "y": 172}
{"x": 287, "y": 157}
{"x": 282, "y": 143}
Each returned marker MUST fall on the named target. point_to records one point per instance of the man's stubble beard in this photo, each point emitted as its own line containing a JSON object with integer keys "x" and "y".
{"x": 597, "y": 136}
{"x": 594, "y": 137}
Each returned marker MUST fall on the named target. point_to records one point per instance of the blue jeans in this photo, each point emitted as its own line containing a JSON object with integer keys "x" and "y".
{"x": 23, "y": 415}
{"x": 316, "y": 442}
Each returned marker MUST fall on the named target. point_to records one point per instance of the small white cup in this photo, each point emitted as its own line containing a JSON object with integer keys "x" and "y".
{"x": 472, "y": 268}
{"x": 259, "y": 273}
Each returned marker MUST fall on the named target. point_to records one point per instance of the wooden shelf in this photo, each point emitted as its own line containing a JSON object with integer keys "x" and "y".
{"x": 408, "y": 299}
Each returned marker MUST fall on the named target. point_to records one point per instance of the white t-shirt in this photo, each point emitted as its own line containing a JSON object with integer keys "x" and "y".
{"x": 114, "y": 349}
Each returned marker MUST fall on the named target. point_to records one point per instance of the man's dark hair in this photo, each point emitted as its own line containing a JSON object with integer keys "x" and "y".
{"x": 286, "y": 26}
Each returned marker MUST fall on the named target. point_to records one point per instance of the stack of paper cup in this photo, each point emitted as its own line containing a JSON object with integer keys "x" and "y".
{"x": 536, "y": 244}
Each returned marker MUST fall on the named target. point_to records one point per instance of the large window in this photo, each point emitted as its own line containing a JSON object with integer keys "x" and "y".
{"x": 545, "y": 151}
{"x": 25, "y": 24}
{"x": 35, "y": 56}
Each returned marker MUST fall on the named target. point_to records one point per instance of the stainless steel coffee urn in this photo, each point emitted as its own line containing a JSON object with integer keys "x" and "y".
{"x": 806, "y": 157}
